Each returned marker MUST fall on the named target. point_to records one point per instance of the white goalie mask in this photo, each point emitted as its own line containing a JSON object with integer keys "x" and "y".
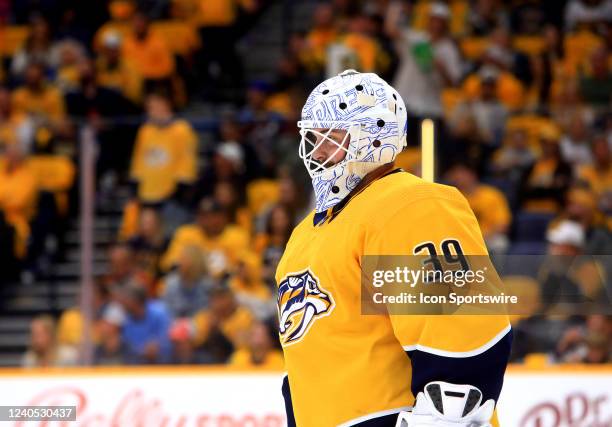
{"x": 351, "y": 124}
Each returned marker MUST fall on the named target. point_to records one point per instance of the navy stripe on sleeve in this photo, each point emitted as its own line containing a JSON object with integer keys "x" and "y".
{"x": 485, "y": 370}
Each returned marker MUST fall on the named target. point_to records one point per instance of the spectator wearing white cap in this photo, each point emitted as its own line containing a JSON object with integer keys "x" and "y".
{"x": 229, "y": 156}
{"x": 587, "y": 12}
{"x": 227, "y": 165}
{"x": 111, "y": 349}
{"x": 566, "y": 238}
{"x": 566, "y": 241}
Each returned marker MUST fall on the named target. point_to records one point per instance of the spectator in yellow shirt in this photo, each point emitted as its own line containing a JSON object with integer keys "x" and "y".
{"x": 39, "y": 98}
{"x": 114, "y": 72}
{"x": 15, "y": 128}
{"x": 367, "y": 50}
{"x": 223, "y": 327}
{"x": 70, "y": 54}
{"x": 544, "y": 184}
{"x": 488, "y": 203}
{"x": 18, "y": 189}
{"x": 221, "y": 241}
{"x": 599, "y": 174}
{"x": 260, "y": 351}
{"x": 165, "y": 153}
{"x": 70, "y": 326}
{"x": 221, "y": 13}
{"x": 507, "y": 87}
{"x": 148, "y": 54}
{"x": 249, "y": 288}
{"x": 322, "y": 34}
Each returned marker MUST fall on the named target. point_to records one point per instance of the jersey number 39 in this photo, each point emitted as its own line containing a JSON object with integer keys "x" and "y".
{"x": 452, "y": 253}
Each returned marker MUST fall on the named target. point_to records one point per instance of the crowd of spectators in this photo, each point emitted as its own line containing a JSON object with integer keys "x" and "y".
{"x": 519, "y": 91}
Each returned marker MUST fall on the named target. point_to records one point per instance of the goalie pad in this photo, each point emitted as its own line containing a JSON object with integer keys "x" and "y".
{"x": 448, "y": 405}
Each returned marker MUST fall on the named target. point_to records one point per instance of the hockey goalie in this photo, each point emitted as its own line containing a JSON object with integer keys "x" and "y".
{"x": 349, "y": 369}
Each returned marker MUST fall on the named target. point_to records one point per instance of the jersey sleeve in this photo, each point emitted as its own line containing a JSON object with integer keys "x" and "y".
{"x": 460, "y": 349}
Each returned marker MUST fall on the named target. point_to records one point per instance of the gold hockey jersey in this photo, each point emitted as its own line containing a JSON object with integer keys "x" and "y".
{"x": 343, "y": 367}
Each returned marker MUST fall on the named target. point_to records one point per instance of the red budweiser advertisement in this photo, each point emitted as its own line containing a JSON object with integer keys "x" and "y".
{"x": 200, "y": 397}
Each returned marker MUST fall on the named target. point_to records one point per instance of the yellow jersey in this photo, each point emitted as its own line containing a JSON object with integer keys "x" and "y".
{"x": 345, "y": 368}
{"x": 223, "y": 250}
{"x": 491, "y": 209}
{"x": 164, "y": 156}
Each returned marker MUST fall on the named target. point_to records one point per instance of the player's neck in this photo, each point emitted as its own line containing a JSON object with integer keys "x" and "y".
{"x": 371, "y": 177}
{"x": 367, "y": 180}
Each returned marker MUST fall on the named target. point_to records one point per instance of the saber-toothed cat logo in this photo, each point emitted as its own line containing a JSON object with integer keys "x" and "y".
{"x": 301, "y": 300}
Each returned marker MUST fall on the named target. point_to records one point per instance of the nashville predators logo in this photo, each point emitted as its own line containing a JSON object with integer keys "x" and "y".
{"x": 300, "y": 301}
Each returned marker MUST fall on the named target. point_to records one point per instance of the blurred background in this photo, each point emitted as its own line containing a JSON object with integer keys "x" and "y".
{"x": 149, "y": 176}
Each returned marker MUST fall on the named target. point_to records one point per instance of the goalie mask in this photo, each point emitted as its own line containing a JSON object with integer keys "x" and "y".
{"x": 351, "y": 124}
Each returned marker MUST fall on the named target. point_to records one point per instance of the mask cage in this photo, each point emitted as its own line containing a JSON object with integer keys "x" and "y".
{"x": 315, "y": 134}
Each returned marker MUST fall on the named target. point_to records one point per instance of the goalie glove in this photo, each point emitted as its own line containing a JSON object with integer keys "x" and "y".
{"x": 448, "y": 405}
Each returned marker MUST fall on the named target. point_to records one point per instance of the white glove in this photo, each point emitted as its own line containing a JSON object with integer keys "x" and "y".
{"x": 448, "y": 405}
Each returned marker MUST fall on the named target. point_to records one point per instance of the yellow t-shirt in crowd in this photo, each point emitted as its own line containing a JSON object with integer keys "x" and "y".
{"x": 150, "y": 57}
{"x": 542, "y": 175}
{"x": 18, "y": 191}
{"x": 490, "y": 207}
{"x": 48, "y": 103}
{"x": 120, "y": 78}
{"x": 317, "y": 41}
{"x": 130, "y": 220}
{"x": 262, "y": 193}
{"x": 599, "y": 180}
{"x": 18, "y": 198}
{"x": 236, "y": 327}
{"x": 220, "y": 13}
{"x": 366, "y": 49}
{"x": 509, "y": 90}
{"x": 232, "y": 241}
{"x": 70, "y": 327}
{"x": 54, "y": 174}
{"x": 163, "y": 157}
